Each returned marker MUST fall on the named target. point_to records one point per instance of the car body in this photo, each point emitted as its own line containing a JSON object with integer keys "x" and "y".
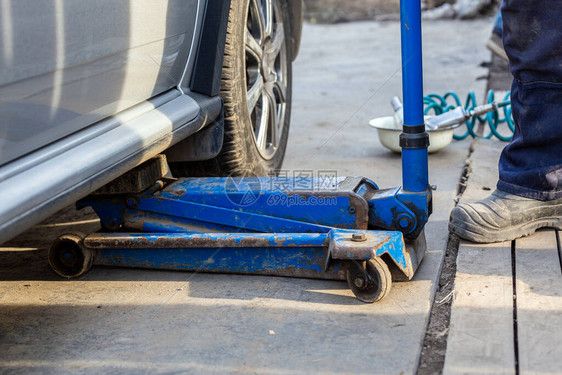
{"x": 91, "y": 89}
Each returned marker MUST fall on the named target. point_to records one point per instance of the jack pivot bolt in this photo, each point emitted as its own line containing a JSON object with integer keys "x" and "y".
{"x": 404, "y": 222}
{"x": 132, "y": 202}
{"x": 359, "y": 282}
{"x": 358, "y": 237}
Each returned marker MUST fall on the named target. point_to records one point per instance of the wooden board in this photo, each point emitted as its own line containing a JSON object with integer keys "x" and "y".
{"x": 481, "y": 330}
{"x": 539, "y": 304}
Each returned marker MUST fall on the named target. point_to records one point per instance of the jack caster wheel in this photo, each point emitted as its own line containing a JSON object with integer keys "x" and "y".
{"x": 68, "y": 257}
{"x": 369, "y": 280}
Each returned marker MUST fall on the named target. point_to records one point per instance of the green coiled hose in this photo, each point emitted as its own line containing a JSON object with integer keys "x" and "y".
{"x": 441, "y": 104}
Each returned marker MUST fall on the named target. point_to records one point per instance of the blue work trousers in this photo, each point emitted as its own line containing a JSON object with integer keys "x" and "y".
{"x": 531, "y": 164}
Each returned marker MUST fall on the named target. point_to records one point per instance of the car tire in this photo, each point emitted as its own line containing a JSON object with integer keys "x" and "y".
{"x": 256, "y": 91}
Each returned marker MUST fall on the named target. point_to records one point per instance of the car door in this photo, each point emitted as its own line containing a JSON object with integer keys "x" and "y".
{"x": 66, "y": 64}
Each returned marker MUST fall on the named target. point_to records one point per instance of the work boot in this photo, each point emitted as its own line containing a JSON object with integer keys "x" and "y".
{"x": 504, "y": 217}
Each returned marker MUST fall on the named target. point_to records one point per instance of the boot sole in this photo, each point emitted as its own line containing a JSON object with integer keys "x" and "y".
{"x": 506, "y": 234}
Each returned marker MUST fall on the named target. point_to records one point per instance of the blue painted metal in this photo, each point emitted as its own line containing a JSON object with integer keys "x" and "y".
{"x": 376, "y": 243}
{"x": 281, "y": 197}
{"x": 414, "y": 161}
{"x": 259, "y": 232}
{"x": 302, "y": 227}
{"x": 264, "y": 234}
{"x": 168, "y": 223}
{"x": 274, "y": 261}
{"x": 399, "y": 210}
{"x": 291, "y": 254}
{"x": 110, "y": 209}
{"x": 294, "y": 254}
{"x": 226, "y": 217}
{"x": 222, "y": 204}
{"x": 411, "y": 46}
{"x": 415, "y": 169}
{"x": 212, "y": 240}
{"x": 211, "y": 205}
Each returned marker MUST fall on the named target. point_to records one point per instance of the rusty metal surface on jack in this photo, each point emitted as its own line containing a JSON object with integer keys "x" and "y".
{"x": 267, "y": 226}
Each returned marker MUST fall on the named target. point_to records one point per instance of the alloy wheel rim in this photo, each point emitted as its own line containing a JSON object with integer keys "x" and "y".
{"x": 266, "y": 74}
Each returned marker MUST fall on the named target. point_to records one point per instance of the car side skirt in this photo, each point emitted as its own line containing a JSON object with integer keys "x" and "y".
{"x": 65, "y": 171}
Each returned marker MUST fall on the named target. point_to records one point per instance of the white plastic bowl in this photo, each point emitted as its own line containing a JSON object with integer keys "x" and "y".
{"x": 389, "y": 135}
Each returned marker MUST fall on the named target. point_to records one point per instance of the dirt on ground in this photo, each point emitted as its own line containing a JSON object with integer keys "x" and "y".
{"x": 336, "y": 11}
{"x": 432, "y": 357}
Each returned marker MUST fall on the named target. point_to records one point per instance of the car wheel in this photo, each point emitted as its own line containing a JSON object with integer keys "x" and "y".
{"x": 256, "y": 90}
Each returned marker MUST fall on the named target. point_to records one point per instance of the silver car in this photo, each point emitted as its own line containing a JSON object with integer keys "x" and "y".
{"x": 91, "y": 89}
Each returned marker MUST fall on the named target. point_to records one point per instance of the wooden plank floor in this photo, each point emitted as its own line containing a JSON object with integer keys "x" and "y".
{"x": 506, "y": 314}
{"x": 498, "y": 329}
{"x": 481, "y": 329}
{"x": 539, "y": 303}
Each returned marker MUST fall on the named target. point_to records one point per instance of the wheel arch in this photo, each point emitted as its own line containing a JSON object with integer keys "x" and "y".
{"x": 207, "y": 73}
{"x": 295, "y": 20}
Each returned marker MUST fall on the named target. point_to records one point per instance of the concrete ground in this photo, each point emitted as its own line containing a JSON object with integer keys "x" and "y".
{"x": 143, "y": 321}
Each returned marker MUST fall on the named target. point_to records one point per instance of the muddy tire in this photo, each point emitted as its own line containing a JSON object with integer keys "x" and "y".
{"x": 371, "y": 281}
{"x": 68, "y": 257}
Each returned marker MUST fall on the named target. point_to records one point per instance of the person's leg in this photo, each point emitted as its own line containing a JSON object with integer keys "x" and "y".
{"x": 529, "y": 194}
{"x": 531, "y": 164}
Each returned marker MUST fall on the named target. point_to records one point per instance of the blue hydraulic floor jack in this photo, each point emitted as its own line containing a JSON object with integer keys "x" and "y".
{"x": 336, "y": 228}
